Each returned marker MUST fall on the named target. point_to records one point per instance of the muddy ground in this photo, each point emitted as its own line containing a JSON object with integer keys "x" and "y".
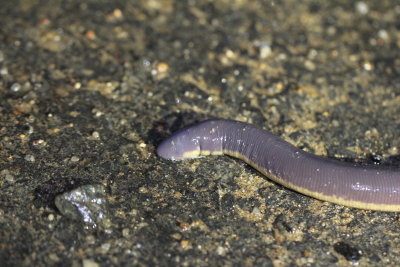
{"x": 90, "y": 88}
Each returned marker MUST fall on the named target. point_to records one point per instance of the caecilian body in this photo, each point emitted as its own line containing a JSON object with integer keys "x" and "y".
{"x": 345, "y": 183}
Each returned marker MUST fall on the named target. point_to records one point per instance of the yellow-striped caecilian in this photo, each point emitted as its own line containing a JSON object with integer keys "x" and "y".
{"x": 365, "y": 187}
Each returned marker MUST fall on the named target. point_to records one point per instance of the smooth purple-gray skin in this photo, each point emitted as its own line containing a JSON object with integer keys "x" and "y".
{"x": 279, "y": 159}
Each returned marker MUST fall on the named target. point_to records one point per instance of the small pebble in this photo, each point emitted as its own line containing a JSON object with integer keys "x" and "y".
{"x": 125, "y": 232}
{"x": 106, "y": 247}
{"x": 117, "y": 13}
{"x": 265, "y": 50}
{"x": 309, "y": 65}
{"x": 54, "y": 257}
{"x": 74, "y": 159}
{"x": 146, "y": 63}
{"x": 89, "y": 263}
{"x": 50, "y": 217}
{"x": 362, "y": 7}
{"x": 176, "y": 236}
{"x": 38, "y": 142}
{"x": 368, "y": 66}
{"x": 221, "y": 251}
{"x": 10, "y": 178}
{"x": 90, "y": 239}
{"x": 77, "y": 85}
{"x": 393, "y": 150}
{"x": 87, "y": 204}
{"x": 96, "y": 135}
{"x": 162, "y": 67}
{"x": 256, "y": 212}
{"x": 3, "y": 71}
{"x": 383, "y": 34}
{"x": 90, "y": 34}
{"x": 15, "y": 87}
{"x": 142, "y": 145}
{"x": 30, "y": 158}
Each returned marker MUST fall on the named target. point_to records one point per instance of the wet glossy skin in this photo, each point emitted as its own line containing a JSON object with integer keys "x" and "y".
{"x": 366, "y": 187}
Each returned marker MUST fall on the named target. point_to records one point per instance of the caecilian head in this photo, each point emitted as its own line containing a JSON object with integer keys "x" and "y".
{"x": 181, "y": 145}
{"x": 201, "y": 139}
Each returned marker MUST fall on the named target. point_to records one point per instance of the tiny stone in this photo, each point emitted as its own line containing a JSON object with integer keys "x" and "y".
{"x": 309, "y": 65}
{"x": 362, "y": 8}
{"x": 221, "y": 251}
{"x": 393, "y": 150}
{"x": 106, "y": 246}
{"x": 89, "y": 263}
{"x": 331, "y": 30}
{"x": 176, "y": 236}
{"x": 133, "y": 212}
{"x": 108, "y": 230}
{"x": 77, "y": 85}
{"x": 335, "y": 123}
{"x": 265, "y": 51}
{"x": 50, "y": 217}
{"x": 143, "y": 190}
{"x": 383, "y": 34}
{"x": 146, "y": 63}
{"x": 87, "y": 204}
{"x": 27, "y": 86}
{"x": 90, "y": 239}
{"x": 4, "y": 172}
{"x": 54, "y": 257}
{"x": 117, "y": 13}
{"x": 97, "y": 113}
{"x": 142, "y": 145}
{"x": 15, "y": 87}
{"x": 39, "y": 142}
{"x": 10, "y": 178}
{"x": 256, "y": 212}
{"x": 30, "y": 129}
{"x": 125, "y": 232}
{"x": 367, "y": 66}
{"x": 162, "y": 67}
{"x": 96, "y": 135}
{"x": 30, "y": 158}
{"x": 128, "y": 251}
{"x": 37, "y": 86}
{"x": 3, "y": 71}
{"x": 312, "y": 54}
{"x": 74, "y": 159}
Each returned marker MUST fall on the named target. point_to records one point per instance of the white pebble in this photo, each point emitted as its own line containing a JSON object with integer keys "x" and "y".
{"x": 383, "y": 34}
{"x": 96, "y": 135}
{"x": 89, "y": 263}
{"x": 30, "y": 158}
{"x": 265, "y": 51}
{"x": 15, "y": 87}
{"x": 10, "y": 178}
{"x": 3, "y": 71}
{"x": 74, "y": 159}
{"x": 362, "y": 8}
{"x": 50, "y": 217}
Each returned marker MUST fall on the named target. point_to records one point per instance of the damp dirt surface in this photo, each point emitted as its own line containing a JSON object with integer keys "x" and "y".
{"x": 88, "y": 89}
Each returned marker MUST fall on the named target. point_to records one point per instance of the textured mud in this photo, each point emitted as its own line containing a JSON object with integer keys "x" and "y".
{"x": 89, "y": 89}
